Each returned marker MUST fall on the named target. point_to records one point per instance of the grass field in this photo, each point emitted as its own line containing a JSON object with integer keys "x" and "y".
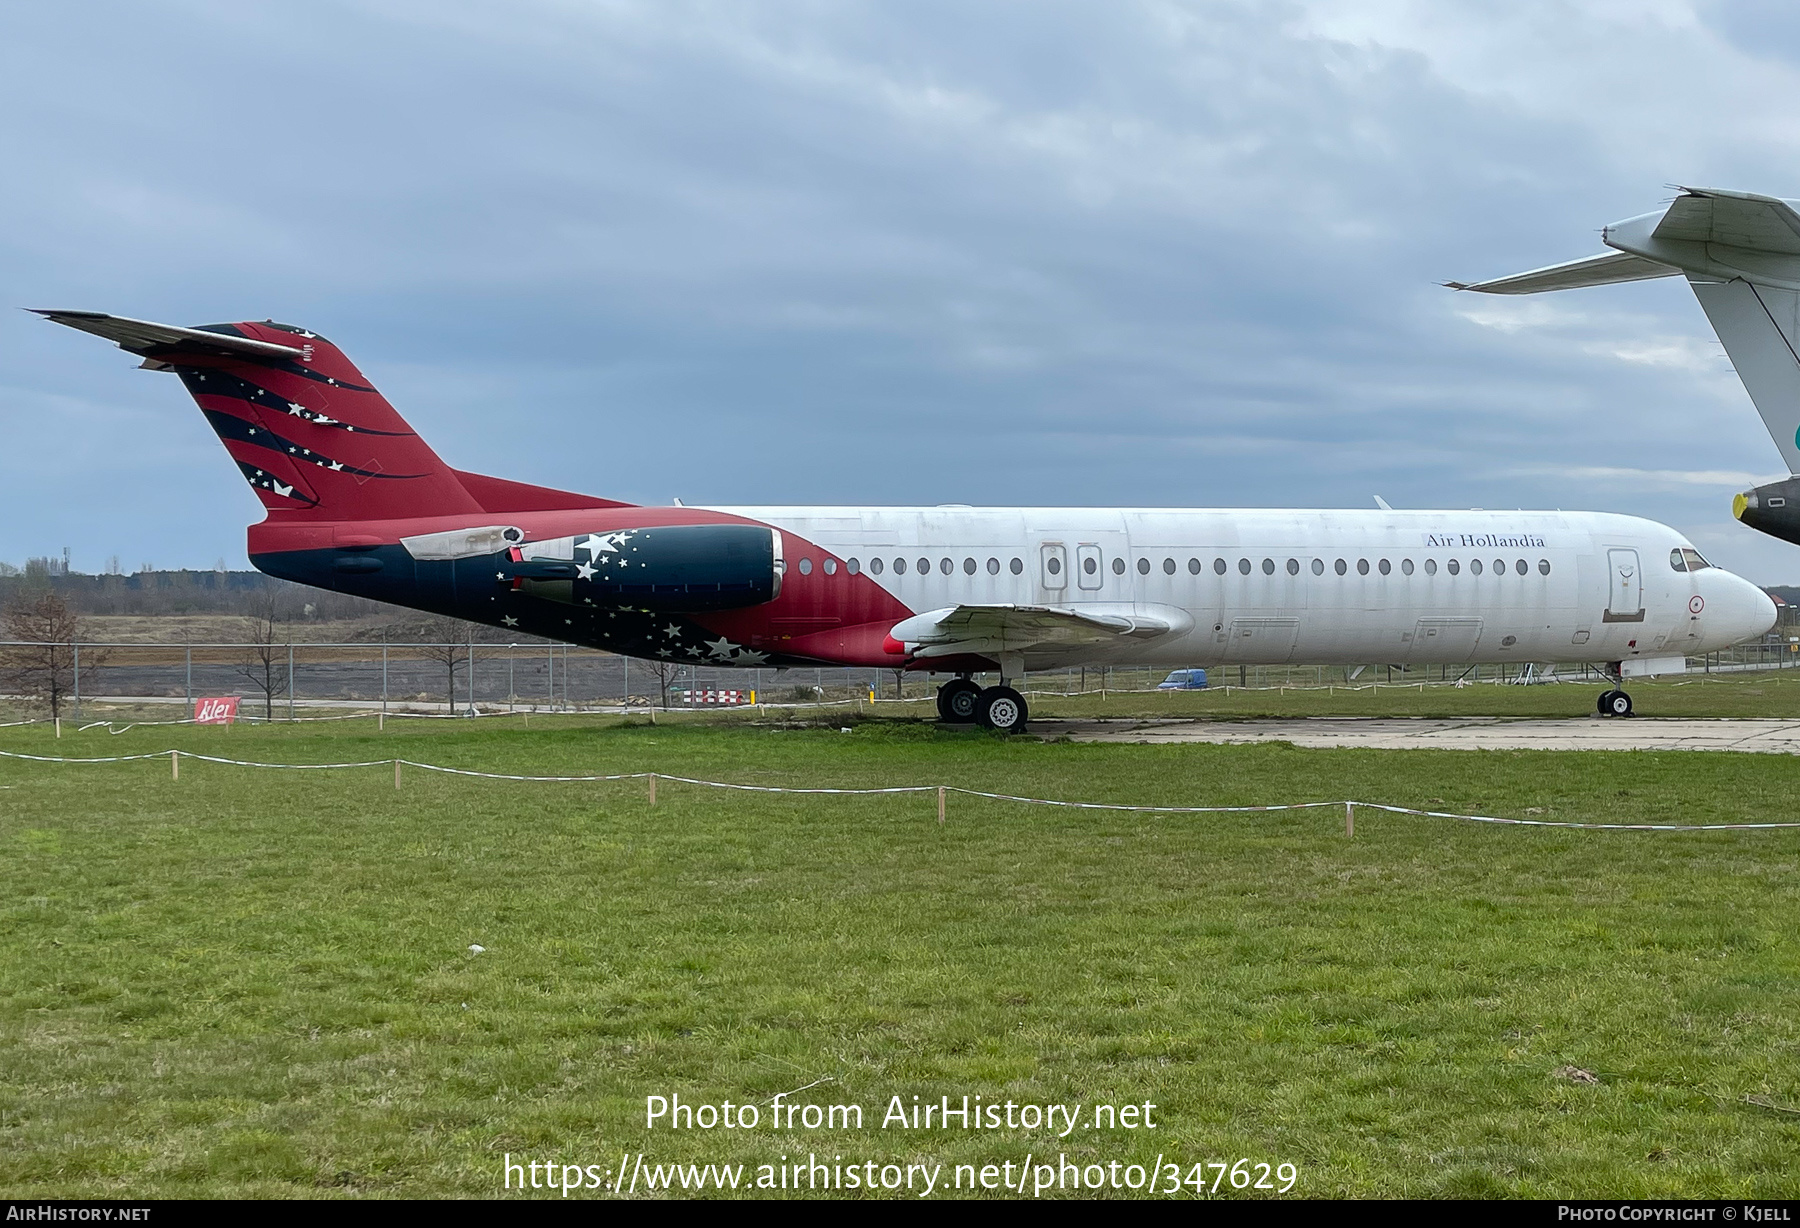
{"x": 260, "y": 984}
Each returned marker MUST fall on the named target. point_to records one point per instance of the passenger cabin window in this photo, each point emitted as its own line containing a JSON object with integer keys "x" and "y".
{"x": 993, "y": 567}
{"x": 1168, "y": 567}
{"x": 831, "y": 567}
{"x": 1143, "y": 566}
{"x": 1384, "y": 567}
{"x": 1340, "y": 567}
{"x": 1243, "y": 567}
{"x": 1522, "y": 567}
{"x": 1193, "y": 567}
{"x": 1318, "y": 567}
{"x": 1544, "y": 567}
{"x": 1431, "y": 567}
{"x": 946, "y": 566}
{"x": 1293, "y": 566}
{"x": 1362, "y": 567}
{"x": 876, "y": 565}
{"x": 899, "y": 567}
{"x": 924, "y": 567}
{"x": 1018, "y": 566}
{"x": 1474, "y": 567}
{"x": 1406, "y": 567}
{"x": 1118, "y": 566}
{"x": 1219, "y": 566}
{"x": 1452, "y": 567}
{"x": 806, "y": 567}
{"x": 1268, "y": 567}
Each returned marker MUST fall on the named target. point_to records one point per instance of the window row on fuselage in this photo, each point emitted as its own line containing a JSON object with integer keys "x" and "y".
{"x": 1090, "y": 565}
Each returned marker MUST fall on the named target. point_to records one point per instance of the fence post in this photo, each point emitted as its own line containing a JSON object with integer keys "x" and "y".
{"x": 174, "y": 765}
{"x": 290, "y": 682}
{"x": 77, "y": 648}
{"x": 59, "y": 726}
{"x": 1349, "y": 818}
{"x": 940, "y": 803}
{"x": 653, "y": 788}
{"x": 396, "y": 773}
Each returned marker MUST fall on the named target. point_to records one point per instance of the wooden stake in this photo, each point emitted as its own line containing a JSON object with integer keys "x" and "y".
{"x": 940, "y": 803}
{"x": 174, "y": 765}
{"x": 381, "y": 720}
{"x": 396, "y": 773}
{"x": 653, "y": 785}
{"x": 1349, "y": 818}
{"x": 59, "y": 726}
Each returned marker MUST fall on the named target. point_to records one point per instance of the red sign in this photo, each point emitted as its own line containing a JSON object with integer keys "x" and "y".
{"x": 218, "y": 710}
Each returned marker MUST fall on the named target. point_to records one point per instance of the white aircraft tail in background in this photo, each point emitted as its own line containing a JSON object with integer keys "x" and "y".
{"x": 1740, "y": 253}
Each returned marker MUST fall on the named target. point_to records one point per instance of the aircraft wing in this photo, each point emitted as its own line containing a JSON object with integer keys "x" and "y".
{"x": 1589, "y": 271}
{"x": 1017, "y": 628}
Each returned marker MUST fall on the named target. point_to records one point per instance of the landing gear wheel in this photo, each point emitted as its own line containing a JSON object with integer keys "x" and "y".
{"x": 1001, "y": 709}
{"x": 958, "y": 701}
{"x": 1615, "y": 703}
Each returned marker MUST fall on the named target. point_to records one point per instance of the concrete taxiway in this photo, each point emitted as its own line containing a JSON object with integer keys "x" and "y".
{"x": 1460, "y": 733}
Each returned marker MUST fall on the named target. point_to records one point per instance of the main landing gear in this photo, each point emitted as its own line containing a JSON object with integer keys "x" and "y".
{"x": 1001, "y": 708}
{"x": 1615, "y": 702}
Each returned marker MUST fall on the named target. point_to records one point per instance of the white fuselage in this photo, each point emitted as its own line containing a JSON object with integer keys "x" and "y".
{"x": 1314, "y": 587}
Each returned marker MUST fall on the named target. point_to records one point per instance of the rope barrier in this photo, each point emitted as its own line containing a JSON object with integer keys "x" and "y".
{"x": 1349, "y": 805}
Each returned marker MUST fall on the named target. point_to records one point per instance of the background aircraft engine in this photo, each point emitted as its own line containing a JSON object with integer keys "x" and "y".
{"x": 665, "y": 567}
{"x": 1773, "y": 509}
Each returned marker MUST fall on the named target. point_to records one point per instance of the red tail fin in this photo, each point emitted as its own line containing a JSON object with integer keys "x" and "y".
{"x": 314, "y": 438}
{"x": 311, "y": 434}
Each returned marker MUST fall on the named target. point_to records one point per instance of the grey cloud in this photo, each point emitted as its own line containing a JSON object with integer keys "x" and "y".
{"x": 1159, "y": 253}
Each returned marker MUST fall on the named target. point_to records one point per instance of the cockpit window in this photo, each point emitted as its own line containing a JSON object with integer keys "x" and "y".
{"x": 1676, "y": 561}
{"x": 1693, "y": 560}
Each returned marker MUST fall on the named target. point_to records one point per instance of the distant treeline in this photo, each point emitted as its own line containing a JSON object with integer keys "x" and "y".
{"x": 189, "y": 592}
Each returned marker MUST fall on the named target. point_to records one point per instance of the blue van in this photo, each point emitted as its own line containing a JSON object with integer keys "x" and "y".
{"x": 1184, "y": 680}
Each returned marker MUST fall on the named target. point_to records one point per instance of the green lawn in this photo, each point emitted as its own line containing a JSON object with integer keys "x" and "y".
{"x": 255, "y": 983}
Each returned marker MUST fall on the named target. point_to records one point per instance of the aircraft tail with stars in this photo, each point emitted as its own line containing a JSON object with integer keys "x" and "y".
{"x": 312, "y": 436}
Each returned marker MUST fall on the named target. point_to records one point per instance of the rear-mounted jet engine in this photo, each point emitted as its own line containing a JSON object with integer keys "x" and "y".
{"x": 684, "y": 567}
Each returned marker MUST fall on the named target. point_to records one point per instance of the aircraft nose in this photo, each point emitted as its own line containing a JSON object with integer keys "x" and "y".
{"x": 1736, "y": 610}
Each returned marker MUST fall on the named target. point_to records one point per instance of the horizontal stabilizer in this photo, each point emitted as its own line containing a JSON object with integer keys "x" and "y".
{"x": 1735, "y": 219}
{"x": 1603, "y": 270}
{"x": 161, "y": 341}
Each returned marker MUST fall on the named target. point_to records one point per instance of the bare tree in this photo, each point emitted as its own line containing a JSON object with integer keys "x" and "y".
{"x": 446, "y": 644}
{"x": 40, "y": 663}
{"x": 269, "y": 639}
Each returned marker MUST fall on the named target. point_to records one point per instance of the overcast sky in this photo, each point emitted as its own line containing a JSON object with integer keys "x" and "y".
{"x": 1108, "y": 253}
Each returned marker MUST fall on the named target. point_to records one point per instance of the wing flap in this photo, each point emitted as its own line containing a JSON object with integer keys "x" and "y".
{"x": 1016, "y": 628}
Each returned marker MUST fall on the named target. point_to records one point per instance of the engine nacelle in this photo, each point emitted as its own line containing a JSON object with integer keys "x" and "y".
{"x": 1773, "y": 509}
{"x": 663, "y": 567}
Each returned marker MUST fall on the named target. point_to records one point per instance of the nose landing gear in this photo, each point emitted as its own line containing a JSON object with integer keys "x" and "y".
{"x": 1615, "y": 702}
